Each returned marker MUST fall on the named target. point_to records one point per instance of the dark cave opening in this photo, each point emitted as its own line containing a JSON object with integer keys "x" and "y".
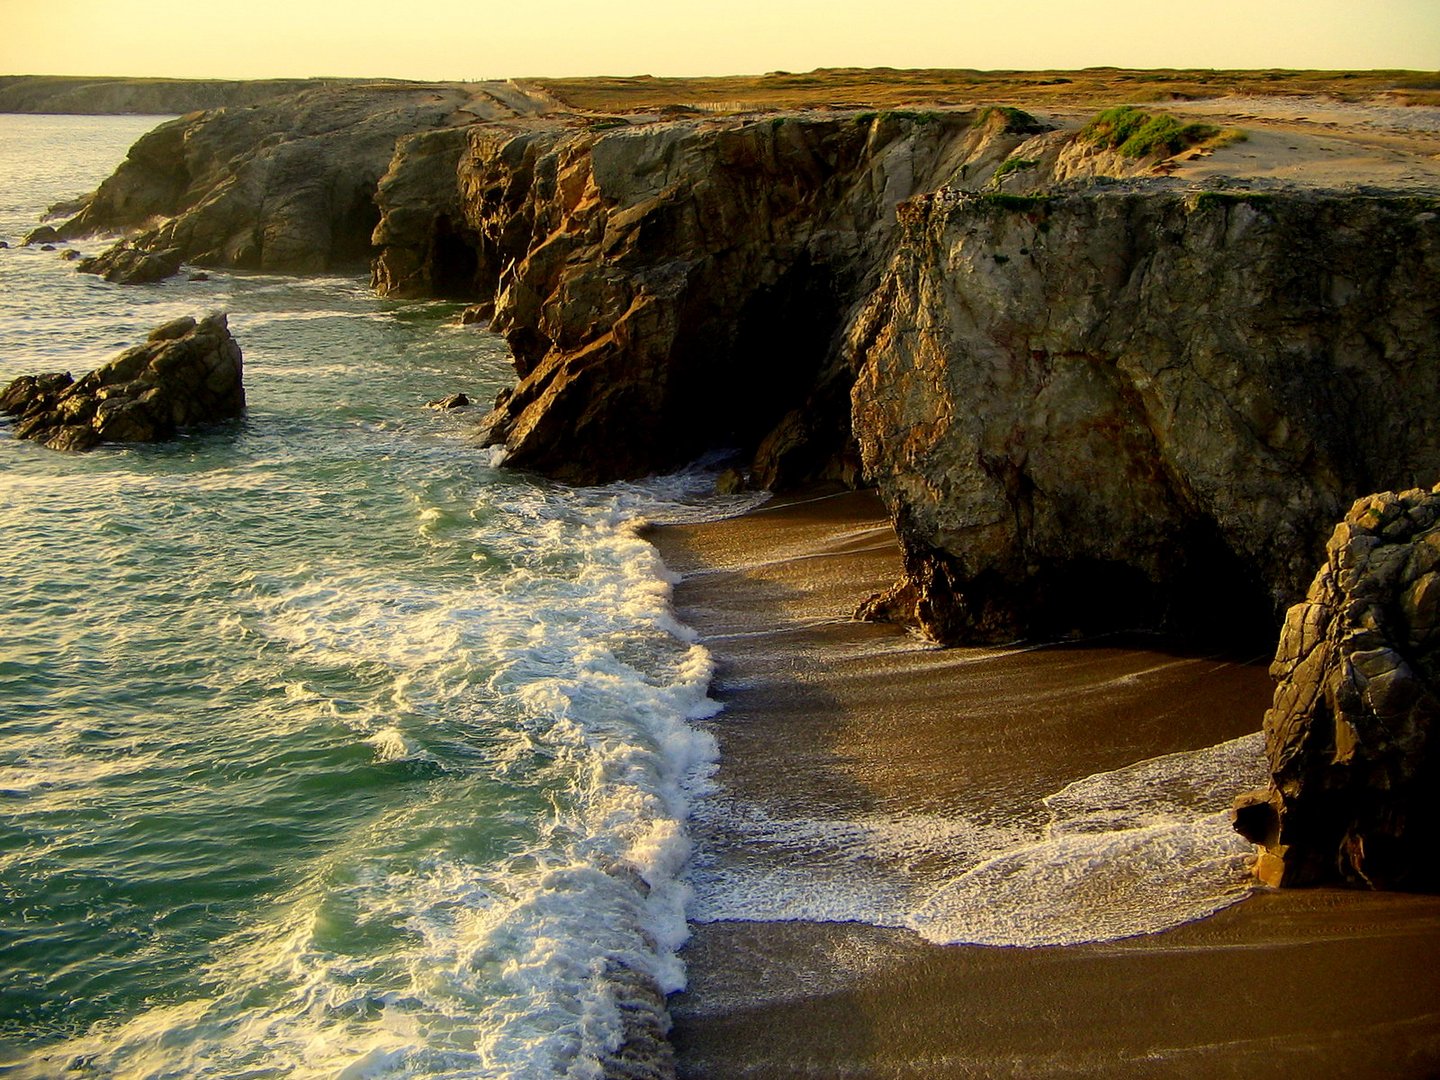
{"x": 350, "y": 241}
{"x": 751, "y": 367}
{"x": 454, "y": 262}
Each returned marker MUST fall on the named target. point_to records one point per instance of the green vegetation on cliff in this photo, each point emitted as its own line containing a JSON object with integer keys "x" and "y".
{"x": 1137, "y": 133}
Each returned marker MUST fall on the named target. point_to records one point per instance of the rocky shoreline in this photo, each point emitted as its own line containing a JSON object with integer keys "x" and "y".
{"x": 1099, "y": 383}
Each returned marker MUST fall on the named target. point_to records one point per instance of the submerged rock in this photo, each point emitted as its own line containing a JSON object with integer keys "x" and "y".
{"x": 452, "y": 401}
{"x": 186, "y": 373}
{"x": 41, "y": 234}
{"x": 1355, "y": 790}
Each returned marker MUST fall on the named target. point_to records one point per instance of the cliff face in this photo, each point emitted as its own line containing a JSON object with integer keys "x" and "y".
{"x": 288, "y": 186}
{"x": 1095, "y": 404}
{"x": 672, "y": 287}
{"x": 1117, "y": 408}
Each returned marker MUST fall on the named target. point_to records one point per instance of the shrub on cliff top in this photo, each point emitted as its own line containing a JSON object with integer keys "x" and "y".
{"x": 1137, "y": 133}
{"x": 1017, "y": 121}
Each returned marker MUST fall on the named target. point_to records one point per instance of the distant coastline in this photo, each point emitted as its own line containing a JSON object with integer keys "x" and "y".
{"x": 822, "y": 88}
{"x": 119, "y": 96}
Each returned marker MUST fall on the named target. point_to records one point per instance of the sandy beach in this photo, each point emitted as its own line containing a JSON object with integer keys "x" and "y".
{"x": 830, "y": 720}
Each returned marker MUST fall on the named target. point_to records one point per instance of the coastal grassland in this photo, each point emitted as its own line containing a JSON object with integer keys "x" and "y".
{"x": 889, "y": 87}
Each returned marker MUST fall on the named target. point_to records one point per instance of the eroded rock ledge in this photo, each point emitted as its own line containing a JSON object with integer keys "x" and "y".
{"x": 672, "y": 287}
{"x": 1355, "y": 765}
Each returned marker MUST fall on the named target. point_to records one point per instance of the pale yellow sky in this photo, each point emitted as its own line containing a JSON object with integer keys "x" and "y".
{"x": 453, "y": 40}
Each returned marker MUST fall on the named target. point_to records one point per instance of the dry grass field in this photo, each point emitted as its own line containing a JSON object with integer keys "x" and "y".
{"x": 888, "y": 88}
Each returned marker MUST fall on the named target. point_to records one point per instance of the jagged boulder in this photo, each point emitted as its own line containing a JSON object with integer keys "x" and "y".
{"x": 186, "y": 373}
{"x": 1355, "y": 791}
{"x": 126, "y": 265}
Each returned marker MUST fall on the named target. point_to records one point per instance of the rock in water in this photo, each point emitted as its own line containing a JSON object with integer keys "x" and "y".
{"x": 1355, "y": 789}
{"x": 126, "y": 265}
{"x": 186, "y": 373}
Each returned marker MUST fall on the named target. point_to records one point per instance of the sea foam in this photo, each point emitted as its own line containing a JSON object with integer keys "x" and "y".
{"x": 1130, "y": 851}
{"x": 551, "y": 696}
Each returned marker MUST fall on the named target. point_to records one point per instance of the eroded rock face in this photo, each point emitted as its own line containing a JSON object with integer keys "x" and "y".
{"x": 186, "y": 373}
{"x": 1141, "y": 408}
{"x": 426, "y": 246}
{"x": 1355, "y": 794}
{"x": 670, "y": 288}
{"x": 285, "y": 185}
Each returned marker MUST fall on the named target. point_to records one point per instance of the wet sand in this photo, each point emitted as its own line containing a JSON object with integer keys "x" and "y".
{"x": 825, "y": 717}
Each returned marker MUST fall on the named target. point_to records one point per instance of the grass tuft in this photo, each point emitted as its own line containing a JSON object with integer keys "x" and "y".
{"x": 1137, "y": 133}
{"x": 1017, "y": 121}
{"x": 1009, "y": 165}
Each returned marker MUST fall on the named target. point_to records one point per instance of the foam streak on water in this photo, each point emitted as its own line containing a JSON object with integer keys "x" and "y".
{"x": 326, "y": 750}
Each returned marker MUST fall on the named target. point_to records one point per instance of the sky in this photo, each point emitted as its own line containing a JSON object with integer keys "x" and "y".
{"x": 449, "y": 40}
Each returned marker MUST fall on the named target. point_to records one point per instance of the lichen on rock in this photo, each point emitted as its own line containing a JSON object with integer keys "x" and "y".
{"x": 1355, "y": 790}
{"x": 186, "y": 373}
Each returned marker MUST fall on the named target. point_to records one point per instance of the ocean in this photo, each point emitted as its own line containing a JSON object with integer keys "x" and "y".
{"x": 329, "y": 748}
{"x": 326, "y": 747}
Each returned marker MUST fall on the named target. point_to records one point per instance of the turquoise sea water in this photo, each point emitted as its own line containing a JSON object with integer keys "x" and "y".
{"x": 326, "y": 748}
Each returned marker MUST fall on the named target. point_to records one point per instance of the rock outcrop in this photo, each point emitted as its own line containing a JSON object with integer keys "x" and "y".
{"x": 1090, "y": 403}
{"x": 127, "y": 265}
{"x": 426, "y": 248}
{"x": 186, "y": 373}
{"x": 1355, "y": 792}
{"x": 287, "y": 185}
{"x": 669, "y": 288}
{"x": 1136, "y": 407}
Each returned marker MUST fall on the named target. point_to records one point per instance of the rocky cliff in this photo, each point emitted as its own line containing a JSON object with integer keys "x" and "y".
{"x": 1355, "y": 766}
{"x": 100, "y": 96}
{"x": 672, "y": 287}
{"x": 1134, "y": 406}
{"x": 287, "y": 186}
{"x": 1089, "y": 402}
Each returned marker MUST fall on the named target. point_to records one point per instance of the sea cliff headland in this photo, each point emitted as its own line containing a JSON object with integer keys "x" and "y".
{"x": 1116, "y": 352}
